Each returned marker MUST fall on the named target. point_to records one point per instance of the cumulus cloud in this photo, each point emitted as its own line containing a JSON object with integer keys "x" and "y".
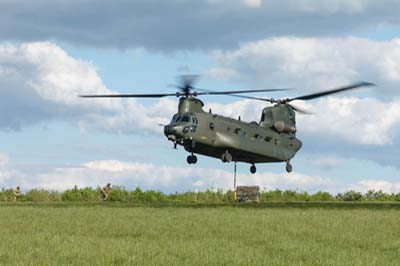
{"x": 319, "y": 64}
{"x": 176, "y": 25}
{"x": 170, "y": 179}
{"x": 151, "y": 176}
{"x": 40, "y": 82}
{"x": 385, "y": 186}
{"x": 312, "y": 63}
{"x": 362, "y": 121}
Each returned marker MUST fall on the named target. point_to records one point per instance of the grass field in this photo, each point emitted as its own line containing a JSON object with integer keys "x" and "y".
{"x": 224, "y": 235}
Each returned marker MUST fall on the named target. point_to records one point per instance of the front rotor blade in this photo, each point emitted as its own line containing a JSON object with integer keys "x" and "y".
{"x": 325, "y": 93}
{"x": 131, "y": 95}
{"x": 188, "y": 80}
{"x": 208, "y": 92}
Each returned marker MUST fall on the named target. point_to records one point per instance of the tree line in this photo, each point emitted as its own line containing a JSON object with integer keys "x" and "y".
{"x": 121, "y": 194}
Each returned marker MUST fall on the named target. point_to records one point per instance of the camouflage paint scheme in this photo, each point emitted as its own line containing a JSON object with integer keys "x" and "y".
{"x": 271, "y": 140}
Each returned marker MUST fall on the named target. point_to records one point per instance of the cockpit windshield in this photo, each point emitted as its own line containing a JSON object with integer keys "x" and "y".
{"x": 175, "y": 119}
{"x": 187, "y": 118}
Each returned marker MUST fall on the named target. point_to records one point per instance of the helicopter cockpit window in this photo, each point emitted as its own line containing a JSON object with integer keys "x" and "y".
{"x": 189, "y": 119}
{"x": 175, "y": 119}
{"x": 185, "y": 119}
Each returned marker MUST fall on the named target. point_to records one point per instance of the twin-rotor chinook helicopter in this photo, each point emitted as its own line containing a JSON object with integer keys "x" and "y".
{"x": 273, "y": 139}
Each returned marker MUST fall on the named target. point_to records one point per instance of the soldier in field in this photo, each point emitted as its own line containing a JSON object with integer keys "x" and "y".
{"x": 105, "y": 191}
{"x": 17, "y": 194}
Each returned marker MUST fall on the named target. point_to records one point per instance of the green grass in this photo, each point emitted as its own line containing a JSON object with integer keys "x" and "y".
{"x": 42, "y": 234}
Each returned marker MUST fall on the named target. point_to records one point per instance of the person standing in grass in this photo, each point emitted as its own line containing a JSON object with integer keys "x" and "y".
{"x": 105, "y": 191}
{"x": 17, "y": 194}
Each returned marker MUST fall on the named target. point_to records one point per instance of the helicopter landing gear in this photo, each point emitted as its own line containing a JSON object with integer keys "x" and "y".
{"x": 226, "y": 157}
{"x": 191, "y": 159}
{"x": 289, "y": 167}
{"x": 253, "y": 169}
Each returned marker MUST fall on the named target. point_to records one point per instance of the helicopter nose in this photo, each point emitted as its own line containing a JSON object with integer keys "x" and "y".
{"x": 172, "y": 133}
{"x": 169, "y": 130}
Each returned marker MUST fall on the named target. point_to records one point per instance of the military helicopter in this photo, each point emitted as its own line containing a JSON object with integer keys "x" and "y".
{"x": 273, "y": 139}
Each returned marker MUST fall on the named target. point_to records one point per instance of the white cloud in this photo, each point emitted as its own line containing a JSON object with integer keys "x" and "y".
{"x": 362, "y": 121}
{"x": 40, "y": 82}
{"x": 150, "y": 176}
{"x": 312, "y": 63}
{"x": 253, "y": 3}
{"x": 320, "y": 64}
{"x": 169, "y": 178}
{"x": 385, "y": 186}
{"x": 247, "y": 3}
{"x": 172, "y": 178}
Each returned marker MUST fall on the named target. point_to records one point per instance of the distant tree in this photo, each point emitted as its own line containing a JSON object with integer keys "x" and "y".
{"x": 350, "y": 196}
{"x": 40, "y": 195}
{"x": 119, "y": 194}
{"x": 7, "y": 195}
{"x": 322, "y": 196}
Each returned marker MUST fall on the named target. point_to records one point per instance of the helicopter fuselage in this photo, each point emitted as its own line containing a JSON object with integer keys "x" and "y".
{"x": 273, "y": 139}
{"x": 228, "y": 139}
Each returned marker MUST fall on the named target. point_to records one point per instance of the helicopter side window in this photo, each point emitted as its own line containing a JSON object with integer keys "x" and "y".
{"x": 258, "y": 137}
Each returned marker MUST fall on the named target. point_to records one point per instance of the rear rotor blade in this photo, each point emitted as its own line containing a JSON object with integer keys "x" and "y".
{"x": 325, "y": 93}
{"x": 253, "y": 98}
{"x": 300, "y": 110}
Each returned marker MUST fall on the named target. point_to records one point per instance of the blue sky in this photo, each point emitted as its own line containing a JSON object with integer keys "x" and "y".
{"x": 52, "y": 139}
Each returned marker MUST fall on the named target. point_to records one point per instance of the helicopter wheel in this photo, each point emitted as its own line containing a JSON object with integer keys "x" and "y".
{"x": 289, "y": 167}
{"x": 253, "y": 169}
{"x": 191, "y": 159}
